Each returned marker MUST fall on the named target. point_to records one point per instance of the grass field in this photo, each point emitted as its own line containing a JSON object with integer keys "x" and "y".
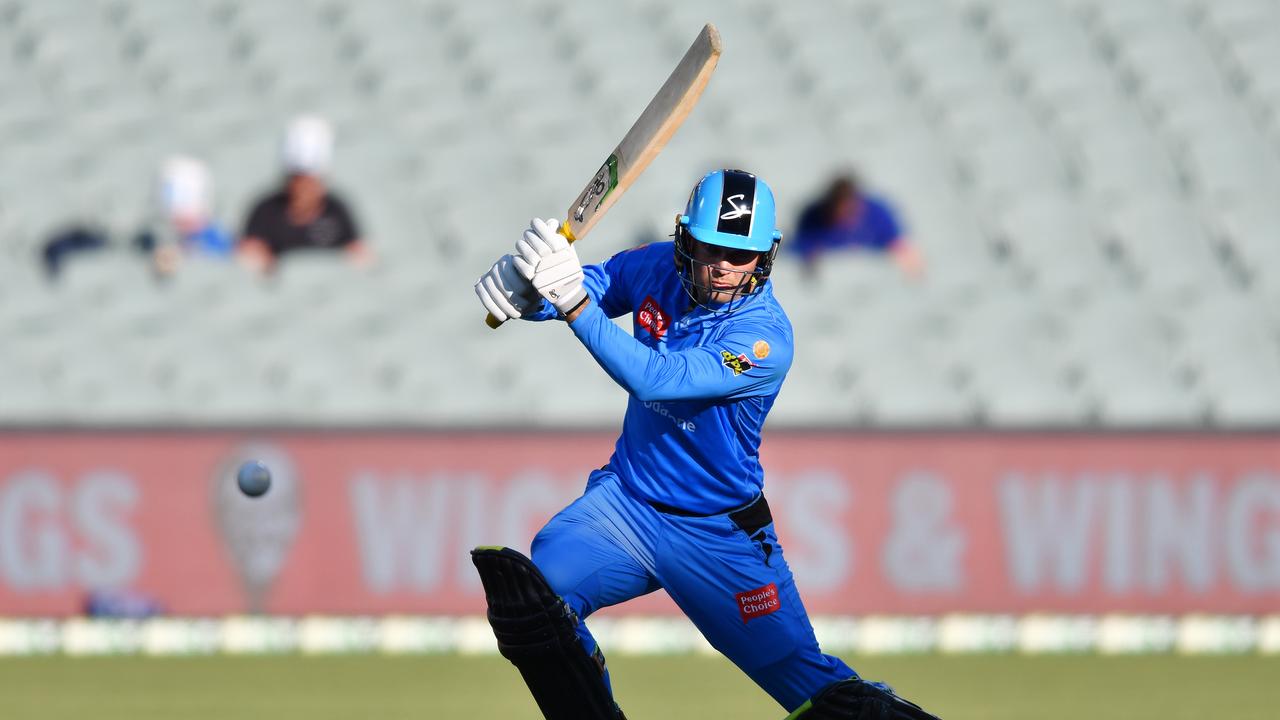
{"x": 672, "y": 688}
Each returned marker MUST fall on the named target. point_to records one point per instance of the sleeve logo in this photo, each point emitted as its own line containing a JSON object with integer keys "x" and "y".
{"x": 758, "y": 602}
{"x": 651, "y": 318}
{"x": 760, "y": 349}
{"x": 737, "y": 363}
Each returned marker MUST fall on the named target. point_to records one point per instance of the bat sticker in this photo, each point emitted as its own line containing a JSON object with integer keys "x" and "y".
{"x": 602, "y": 184}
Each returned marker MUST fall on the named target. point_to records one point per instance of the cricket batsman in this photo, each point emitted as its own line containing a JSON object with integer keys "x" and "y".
{"x": 679, "y": 506}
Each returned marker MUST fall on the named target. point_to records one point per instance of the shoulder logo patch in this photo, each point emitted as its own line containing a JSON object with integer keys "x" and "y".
{"x": 760, "y": 349}
{"x": 737, "y": 363}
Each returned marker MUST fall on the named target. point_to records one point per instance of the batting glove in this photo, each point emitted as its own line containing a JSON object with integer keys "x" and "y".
{"x": 505, "y": 293}
{"x": 550, "y": 263}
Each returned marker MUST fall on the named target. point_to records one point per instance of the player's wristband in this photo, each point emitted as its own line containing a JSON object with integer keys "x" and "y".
{"x": 577, "y": 306}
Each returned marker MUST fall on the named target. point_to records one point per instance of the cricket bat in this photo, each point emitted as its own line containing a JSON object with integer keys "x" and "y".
{"x": 646, "y": 138}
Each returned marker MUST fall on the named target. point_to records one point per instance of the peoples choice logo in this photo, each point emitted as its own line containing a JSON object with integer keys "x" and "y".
{"x": 651, "y": 317}
{"x": 736, "y": 210}
{"x": 758, "y": 602}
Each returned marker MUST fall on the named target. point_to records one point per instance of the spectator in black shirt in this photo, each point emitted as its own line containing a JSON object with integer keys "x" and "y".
{"x": 304, "y": 213}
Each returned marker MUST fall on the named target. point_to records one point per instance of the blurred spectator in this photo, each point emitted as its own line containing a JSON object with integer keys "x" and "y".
{"x": 304, "y": 213}
{"x": 73, "y": 240}
{"x": 846, "y": 218}
{"x": 187, "y": 227}
{"x": 182, "y": 224}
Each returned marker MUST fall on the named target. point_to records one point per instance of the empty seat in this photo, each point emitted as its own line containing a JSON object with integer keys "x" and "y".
{"x": 1245, "y": 394}
{"x": 1144, "y": 401}
{"x": 102, "y": 276}
{"x": 898, "y": 398}
{"x": 27, "y": 400}
{"x": 1053, "y": 241}
{"x": 814, "y": 400}
{"x": 1020, "y": 392}
{"x": 1164, "y": 245}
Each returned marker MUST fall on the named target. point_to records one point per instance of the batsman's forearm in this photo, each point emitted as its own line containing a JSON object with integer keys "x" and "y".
{"x": 643, "y": 372}
{"x": 618, "y": 353}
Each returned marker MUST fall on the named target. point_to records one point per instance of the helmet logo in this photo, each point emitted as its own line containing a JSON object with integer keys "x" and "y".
{"x": 737, "y": 210}
{"x": 737, "y": 204}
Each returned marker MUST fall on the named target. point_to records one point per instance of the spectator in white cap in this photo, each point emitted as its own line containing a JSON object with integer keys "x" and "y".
{"x": 304, "y": 213}
{"x": 186, "y": 227}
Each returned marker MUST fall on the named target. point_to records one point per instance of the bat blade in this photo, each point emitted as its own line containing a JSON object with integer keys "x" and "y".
{"x": 646, "y": 138}
{"x": 650, "y": 133}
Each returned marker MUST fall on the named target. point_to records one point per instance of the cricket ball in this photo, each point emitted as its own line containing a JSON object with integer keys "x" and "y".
{"x": 253, "y": 478}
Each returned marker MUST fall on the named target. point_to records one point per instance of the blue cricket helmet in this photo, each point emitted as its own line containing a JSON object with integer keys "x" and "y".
{"x": 734, "y": 209}
{"x": 731, "y": 209}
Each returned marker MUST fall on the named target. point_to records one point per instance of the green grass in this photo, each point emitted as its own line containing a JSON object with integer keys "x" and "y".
{"x": 672, "y": 688}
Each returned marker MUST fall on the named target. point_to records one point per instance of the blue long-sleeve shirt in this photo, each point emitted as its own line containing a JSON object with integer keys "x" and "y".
{"x": 701, "y": 383}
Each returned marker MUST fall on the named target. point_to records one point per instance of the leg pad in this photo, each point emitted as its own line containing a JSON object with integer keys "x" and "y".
{"x": 858, "y": 699}
{"x": 537, "y": 632}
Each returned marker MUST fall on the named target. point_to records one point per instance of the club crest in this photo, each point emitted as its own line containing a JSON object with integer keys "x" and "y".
{"x": 737, "y": 363}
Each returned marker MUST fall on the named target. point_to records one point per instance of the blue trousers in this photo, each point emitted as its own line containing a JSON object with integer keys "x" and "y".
{"x": 609, "y": 546}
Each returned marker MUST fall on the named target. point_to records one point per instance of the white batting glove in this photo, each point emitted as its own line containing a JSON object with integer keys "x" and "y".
{"x": 505, "y": 293}
{"x": 550, "y": 263}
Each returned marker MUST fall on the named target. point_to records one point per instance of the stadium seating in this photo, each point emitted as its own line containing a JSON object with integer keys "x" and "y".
{"x": 1095, "y": 186}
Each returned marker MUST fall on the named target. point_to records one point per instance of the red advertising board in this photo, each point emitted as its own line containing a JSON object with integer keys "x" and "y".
{"x": 366, "y": 522}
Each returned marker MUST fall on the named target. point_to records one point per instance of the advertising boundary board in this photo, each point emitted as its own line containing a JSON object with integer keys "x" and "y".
{"x": 365, "y": 522}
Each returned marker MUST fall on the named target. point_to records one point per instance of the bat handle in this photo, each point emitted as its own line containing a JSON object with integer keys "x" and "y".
{"x": 494, "y": 322}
